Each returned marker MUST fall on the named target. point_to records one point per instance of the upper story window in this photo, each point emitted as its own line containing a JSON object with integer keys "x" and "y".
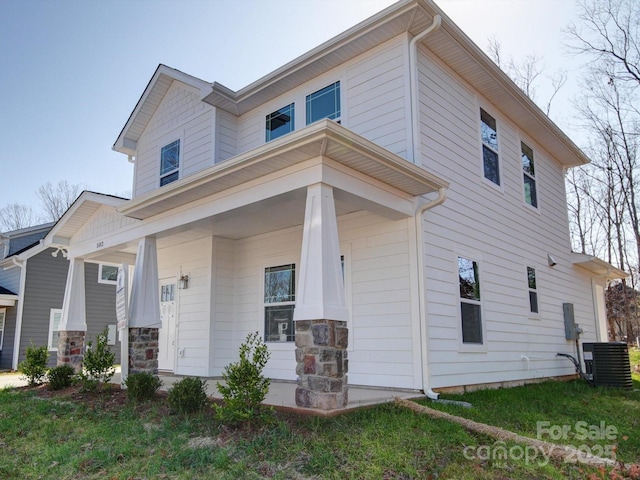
{"x": 324, "y": 103}
{"x": 280, "y": 122}
{"x": 533, "y": 290}
{"x": 279, "y": 302}
{"x": 489, "y": 135}
{"x": 169, "y": 163}
{"x": 529, "y": 175}
{"x": 470, "y": 311}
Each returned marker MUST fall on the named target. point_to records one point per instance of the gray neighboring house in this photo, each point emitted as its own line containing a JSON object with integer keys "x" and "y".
{"x": 32, "y": 284}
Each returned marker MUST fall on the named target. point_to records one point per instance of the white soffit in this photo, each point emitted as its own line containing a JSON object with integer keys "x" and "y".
{"x": 322, "y": 139}
{"x": 597, "y": 266}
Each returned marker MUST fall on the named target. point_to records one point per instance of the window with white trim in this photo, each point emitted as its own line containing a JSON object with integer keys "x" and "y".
{"x": 325, "y": 103}
{"x": 470, "y": 307}
{"x": 533, "y": 290}
{"x": 490, "y": 158}
{"x": 170, "y": 163}
{"x": 107, "y": 274}
{"x": 280, "y": 122}
{"x": 55, "y": 316}
{"x": 3, "y": 317}
{"x": 529, "y": 175}
{"x": 279, "y": 302}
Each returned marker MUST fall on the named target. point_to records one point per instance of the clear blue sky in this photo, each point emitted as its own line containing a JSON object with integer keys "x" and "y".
{"x": 72, "y": 71}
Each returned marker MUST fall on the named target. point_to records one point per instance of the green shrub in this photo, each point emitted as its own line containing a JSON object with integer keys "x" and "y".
{"x": 188, "y": 395}
{"x": 34, "y": 368}
{"x": 246, "y": 386}
{"x": 142, "y": 386}
{"x": 60, "y": 377}
{"x": 97, "y": 364}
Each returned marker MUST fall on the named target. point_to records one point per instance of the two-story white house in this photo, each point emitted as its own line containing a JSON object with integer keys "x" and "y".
{"x": 389, "y": 205}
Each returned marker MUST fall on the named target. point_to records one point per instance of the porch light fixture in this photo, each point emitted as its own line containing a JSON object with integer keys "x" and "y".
{"x": 183, "y": 282}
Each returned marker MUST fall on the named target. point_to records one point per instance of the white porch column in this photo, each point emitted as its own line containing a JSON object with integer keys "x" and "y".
{"x": 320, "y": 286}
{"x": 144, "y": 310}
{"x": 73, "y": 323}
{"x": 321, "y": 313}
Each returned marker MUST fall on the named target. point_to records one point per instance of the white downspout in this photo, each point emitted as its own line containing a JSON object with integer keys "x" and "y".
{"x": 413, "y": 84}
{"x": 442, "y": 195}
{"x": 422, "y": 304}
{"x": 18, "y": 332}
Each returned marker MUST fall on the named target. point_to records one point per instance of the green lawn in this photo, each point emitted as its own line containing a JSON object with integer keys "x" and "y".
{"x": 60, "y": 439}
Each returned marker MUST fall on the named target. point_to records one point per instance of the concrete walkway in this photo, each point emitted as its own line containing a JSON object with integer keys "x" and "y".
{"x": 281, "y": 393}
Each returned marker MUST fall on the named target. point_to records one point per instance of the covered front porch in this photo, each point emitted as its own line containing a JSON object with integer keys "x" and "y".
{"x": 301, "y": 203}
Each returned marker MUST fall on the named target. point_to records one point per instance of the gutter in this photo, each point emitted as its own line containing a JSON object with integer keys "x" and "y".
{"x": 442, "y": 195}
{"x": 18, "y": 332}
{"x": 422, "y": 303}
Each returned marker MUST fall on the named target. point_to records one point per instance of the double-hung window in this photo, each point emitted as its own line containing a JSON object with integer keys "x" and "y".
{"x": 533, "y": 290}
{"x": 55, "y": 315}
{"x": 489, "y": 135}
{"x": 280, "y": 122}
{"x": 325, "y": 103}
{"x": 529, "y": 175}
{"x": 470, "y": 311}
{"x": 170, "y": 163}
{"x": 279, "y": 302}
{"x": 3, "y": 316}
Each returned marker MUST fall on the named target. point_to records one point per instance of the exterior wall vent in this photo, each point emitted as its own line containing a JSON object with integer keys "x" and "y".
{"x": 607, "y": 364}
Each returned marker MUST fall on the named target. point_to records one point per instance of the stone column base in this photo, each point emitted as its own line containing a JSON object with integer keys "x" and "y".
{"x": 143, "y": 350}
{"x": 71, "y": 348}
{"x": 321, "y": 358}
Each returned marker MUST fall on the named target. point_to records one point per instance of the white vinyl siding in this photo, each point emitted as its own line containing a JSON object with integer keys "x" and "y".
{"x": 373, "y": 100}
{"x": 181, "y": 114}
{"x": 492, "y": 223}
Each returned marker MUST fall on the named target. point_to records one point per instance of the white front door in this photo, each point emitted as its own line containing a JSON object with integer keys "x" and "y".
{"x": 167, "y": 334}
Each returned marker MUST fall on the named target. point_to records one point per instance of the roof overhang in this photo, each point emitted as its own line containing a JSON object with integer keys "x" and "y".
{"x": 7, "y": 298}
{"x": 597, "y": 266}
{"x": 449, "y": 43}
{"x": 322, "y": 139}
{"x": 76, "y": 215}
{"x": 151, "y": 98}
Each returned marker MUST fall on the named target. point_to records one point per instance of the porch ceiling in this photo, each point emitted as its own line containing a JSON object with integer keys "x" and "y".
{"x": 597, "y": 266}
{"x": 322, "y": 139}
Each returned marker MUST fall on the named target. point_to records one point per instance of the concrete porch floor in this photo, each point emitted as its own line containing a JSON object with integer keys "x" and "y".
{"x": 282, "y": 394}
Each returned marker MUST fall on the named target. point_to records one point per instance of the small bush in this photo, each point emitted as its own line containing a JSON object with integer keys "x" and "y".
{"x": 60, "y": 377}
{"x": 34, "y": 368}
{"x": 188, "y": 395}
{"x": 97, "y": 364}
{"x": 246, "y": 386}
{"x": 142, "y": 386}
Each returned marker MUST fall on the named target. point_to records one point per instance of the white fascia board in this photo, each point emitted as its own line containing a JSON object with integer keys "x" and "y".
{"x": 53, "y": 239}
{"x": 129, "y": 146}
{"x": 8, "y": 300}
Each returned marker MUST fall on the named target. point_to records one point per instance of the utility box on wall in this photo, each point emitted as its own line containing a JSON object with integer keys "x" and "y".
{"x": 569, "y": 321}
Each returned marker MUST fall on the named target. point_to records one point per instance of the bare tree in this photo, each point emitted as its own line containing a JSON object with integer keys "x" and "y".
{"x": 526, "y": 72}
{"x": 609, "y": 35}
{"x": 16, "y": 216}
{"x": 56, "y": 199}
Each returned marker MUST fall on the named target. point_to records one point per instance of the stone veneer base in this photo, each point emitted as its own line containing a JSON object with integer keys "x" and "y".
{"x": 71, "y": 348}
{"x": 321, "y": 364}
{"x": 143, "y": 350}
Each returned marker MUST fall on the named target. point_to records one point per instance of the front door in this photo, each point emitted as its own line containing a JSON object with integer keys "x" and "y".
{"x": 167, "y": 334}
